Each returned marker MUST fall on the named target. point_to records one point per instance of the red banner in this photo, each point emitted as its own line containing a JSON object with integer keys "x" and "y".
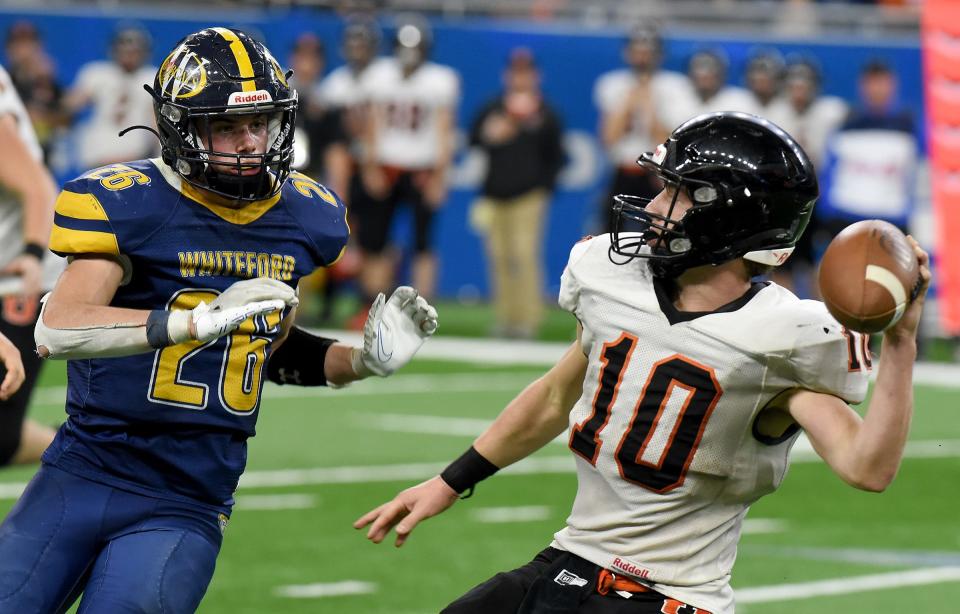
{"x": 941, "y": 64}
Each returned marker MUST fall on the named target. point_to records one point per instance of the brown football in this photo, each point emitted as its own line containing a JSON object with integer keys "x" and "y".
{"x": 868, "y": 275}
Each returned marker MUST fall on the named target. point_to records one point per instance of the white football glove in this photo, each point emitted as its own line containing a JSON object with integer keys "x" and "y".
{"x": 394, "y": 331}
{"x": 254, "y": 290}
{"x": 225, "y": 313}
{"x": 210, "y": 323}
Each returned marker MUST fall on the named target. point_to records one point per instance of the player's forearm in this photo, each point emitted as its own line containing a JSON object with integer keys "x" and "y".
{"x": 537, "y": 415}
{"x": 338, "y": 365}
{"x": 60, "y": 314}
{"x": 527, "y": 424}
{"x": 881, "y": 438}
{"x": 25, "y": 176}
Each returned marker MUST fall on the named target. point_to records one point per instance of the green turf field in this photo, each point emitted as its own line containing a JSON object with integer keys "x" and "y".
{"x": 290, "y": 536}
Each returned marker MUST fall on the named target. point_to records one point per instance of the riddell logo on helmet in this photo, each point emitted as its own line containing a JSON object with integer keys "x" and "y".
{"x": 250, "y": 97}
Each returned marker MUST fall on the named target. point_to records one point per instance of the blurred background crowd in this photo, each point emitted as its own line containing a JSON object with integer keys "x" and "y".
{"x": 475, "y": 140}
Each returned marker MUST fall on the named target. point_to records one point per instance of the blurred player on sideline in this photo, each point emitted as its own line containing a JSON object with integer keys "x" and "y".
{"x": 181, "y": 288}
{"x": 27, "y": 269}
{"x": 680, "y": 414}
{"x": 631, "y": 101}
{"x": 407, "y": 155}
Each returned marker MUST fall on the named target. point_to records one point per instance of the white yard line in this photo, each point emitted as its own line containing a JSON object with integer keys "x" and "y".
{"x": 361, "y": 474}
{"x": 328, "y": 589}
{"x": 276, "y": 502}
{"x": 757, "y": 526}
{"x": 844, "y": 586}
{"x": 520, "y": 513}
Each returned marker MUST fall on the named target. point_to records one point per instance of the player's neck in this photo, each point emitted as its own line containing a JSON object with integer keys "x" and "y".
{"x": 707, "y": 288}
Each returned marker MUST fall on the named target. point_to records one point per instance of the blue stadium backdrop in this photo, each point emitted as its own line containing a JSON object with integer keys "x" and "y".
{"x": 570, "y": 58}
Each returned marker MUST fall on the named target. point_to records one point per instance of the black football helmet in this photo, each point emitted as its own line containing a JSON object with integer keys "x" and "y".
{"x": 752, "y": 188}
{"x": 210, "y": 74}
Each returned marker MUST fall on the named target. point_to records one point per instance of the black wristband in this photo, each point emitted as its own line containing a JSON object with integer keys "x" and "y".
{"x": 299, "y": 359}
{"x": 465, "y": 472}
{"x": 157, "y": 335}
{"x": 35, "y": 249}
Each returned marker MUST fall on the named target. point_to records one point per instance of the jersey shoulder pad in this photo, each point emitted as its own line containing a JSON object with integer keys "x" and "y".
{"x": 320, "y": 213}
{"x": 110, "y": 210}
{"x": 826, "y": 357}
{"x": 571, "y": 281}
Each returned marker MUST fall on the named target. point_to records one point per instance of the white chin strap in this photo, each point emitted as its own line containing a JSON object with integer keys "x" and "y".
{"x": 772, "y": 257}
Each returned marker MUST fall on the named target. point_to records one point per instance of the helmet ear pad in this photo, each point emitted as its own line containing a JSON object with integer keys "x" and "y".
{"x": 173, "y": 123}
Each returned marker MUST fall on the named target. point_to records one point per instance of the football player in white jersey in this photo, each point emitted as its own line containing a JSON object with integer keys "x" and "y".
{"x": 113, "y": 89}
{"x": 27, "y": 269}
{"x": 413, "y": 105}
{"x": 686, "y": 388}
{"x": 631, "y": 101}
{"x": 707, "y": 90}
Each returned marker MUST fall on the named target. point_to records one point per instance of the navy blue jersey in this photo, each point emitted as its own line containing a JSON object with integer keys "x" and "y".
{"x": 175, "y": 422}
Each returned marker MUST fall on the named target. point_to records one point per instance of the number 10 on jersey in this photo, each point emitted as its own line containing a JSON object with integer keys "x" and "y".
{"x": 655, "y": 412}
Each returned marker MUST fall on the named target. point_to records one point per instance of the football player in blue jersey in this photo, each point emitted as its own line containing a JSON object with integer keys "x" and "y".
{"x": 181, "y": 289}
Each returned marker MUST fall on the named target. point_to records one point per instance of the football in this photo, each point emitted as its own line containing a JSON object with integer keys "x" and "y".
{"x": 868, "y": 275}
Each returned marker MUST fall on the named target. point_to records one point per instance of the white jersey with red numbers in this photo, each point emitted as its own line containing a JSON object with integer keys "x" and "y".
{"x": 118, "y": 101}
{"x": 612, "y": 90}
{"x": 408, "y": 108}
{"x": 669, "y": 450}
{"x": 11, "y": 205}
{"x": 343, "y": 87}
{"x": 813, "y": 126}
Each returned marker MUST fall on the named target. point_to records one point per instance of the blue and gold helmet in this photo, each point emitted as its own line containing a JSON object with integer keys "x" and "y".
{"x": 217, "y": 72}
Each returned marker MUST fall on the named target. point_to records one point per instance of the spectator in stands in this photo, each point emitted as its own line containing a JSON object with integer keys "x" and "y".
{"x": 764, "y": 80}
{"x": 342, "y": 90}
{"x": 322, "y": 152}
{"x": 707, "y": 90}
{"x": 631, "y": 101}
{"x": 870, "y": 170}
{"x": 407, "y": 157}
{"x": 522, "y": 137}
{"x": 34, "y": 77}
{"x": 321, "y": 140}
{"x": 113, "y": 91}
{"x": 810, "y": 118}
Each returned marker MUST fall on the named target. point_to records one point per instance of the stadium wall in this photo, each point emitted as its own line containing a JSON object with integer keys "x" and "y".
{"x": 570, "y": 57}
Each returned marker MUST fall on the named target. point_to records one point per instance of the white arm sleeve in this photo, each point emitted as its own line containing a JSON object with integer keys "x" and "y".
{"x": 119, "y": 339}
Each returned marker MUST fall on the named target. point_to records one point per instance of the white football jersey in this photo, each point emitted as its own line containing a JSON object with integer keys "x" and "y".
{"x": 343, "y": 88}
{"x": 410, "y": 138}
{"x": 813, "y": 126}
{"x": 118, "y": 101}
{"x": 11, "y": 208}
{"x": 609, "y": 94}
{"x": 668, "y": 455}
{"x": 686, "y": 104}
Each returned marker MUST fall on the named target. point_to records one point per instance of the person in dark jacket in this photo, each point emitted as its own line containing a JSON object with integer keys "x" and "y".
{"x": 522, "y": 138}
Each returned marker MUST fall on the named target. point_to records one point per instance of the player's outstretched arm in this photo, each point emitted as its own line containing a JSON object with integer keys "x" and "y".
{"x": 867, "y": 452}
{"x": 77, "y": 321}
{"x": 529, "y": 422}
{"x": 10, "y": 361}
{"x": 396, "y": 328}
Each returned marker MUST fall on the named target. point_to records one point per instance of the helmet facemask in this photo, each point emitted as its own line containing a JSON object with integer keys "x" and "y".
{"x": 671, "y": 247}
{"x": 228, "y": 174}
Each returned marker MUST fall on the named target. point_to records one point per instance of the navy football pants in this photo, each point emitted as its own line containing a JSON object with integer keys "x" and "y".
{"x": 124, "y": 551}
